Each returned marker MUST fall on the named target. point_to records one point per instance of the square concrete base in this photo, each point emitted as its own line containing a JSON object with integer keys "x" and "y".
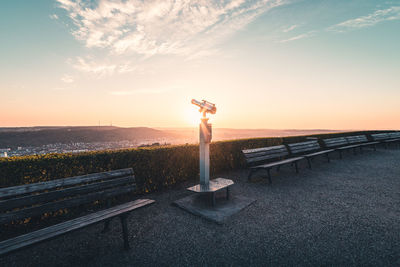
{"x": 201, "y": 205}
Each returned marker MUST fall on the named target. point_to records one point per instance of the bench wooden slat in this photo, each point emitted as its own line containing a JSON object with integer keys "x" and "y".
{"x": 303, "y": 150}
{"x": 395, "y": 134}
{"x": 369, "y": 143}
{"x": 334, "y": 142}
{"x": 253, "y": 150}
{"x": 318, "y": 153}
{"x": 307, "y": 146}
{"x": 30, "y": 200}
{"x": 254, "y": 160}
{"x": 265, "y": 153}
{"x": 347, "y": 147}
{"x": 302, "y": 147}
{"x": 67, "y": 203}
{"x": 271, "y": 152}
{"x": 356, "y": 139}
{"x": 338, "y": 141}
{"x": 65, "y": 227}
{"x": 266, "y": 157}
{"x": 391, "y": 140}
{"x": 312, "y": 143}
{"x": 276, "y": 163}
{"x": 380, "y": 136}
{"x": 299, "y": 145}
{"x": 30, "y": 188}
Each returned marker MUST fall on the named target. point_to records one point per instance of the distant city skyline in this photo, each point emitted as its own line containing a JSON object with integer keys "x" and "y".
{"x": 267, "y": 64}
{"x": 43, "y": 140}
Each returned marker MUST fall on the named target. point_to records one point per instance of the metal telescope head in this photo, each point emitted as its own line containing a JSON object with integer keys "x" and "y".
{"x": 205, "y": 107}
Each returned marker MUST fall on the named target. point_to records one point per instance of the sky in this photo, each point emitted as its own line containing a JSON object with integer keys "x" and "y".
{"x": 276, "y": 64}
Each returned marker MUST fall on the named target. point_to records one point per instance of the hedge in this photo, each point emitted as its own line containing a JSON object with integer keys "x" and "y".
{"x": 154, "y": 167}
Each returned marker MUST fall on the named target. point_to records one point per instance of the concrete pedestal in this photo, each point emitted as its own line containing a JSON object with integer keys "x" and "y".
{"x": 213, "y": 187}
{"x": 212, "y": 203}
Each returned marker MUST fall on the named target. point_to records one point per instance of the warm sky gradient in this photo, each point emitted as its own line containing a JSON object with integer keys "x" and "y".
{"x": 265, "y": 63}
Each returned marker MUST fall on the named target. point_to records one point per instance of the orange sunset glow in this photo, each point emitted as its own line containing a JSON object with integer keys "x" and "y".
{"x": 263, "y": 68}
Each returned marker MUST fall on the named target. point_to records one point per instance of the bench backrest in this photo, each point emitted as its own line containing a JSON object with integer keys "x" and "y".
{"x": 30, "y": 200}
{"x": 335, "y": 142}
{"x": 264, "y": 153}
{"x": 303, "y": 147}
{"x": 356, "y": 139}
{"x": 394, "y": 135}
{"x": 380, "y": 136}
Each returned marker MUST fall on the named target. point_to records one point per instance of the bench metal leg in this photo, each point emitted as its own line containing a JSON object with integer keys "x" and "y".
{"x": 107, "y": 222}
{"x": 227, "y": 193}
{"x": 340, "y": 154}
{"x": 125, "y": 231}
{"x": 309, "y": 162}
{"x": 213, "y": 198}
{"x": 269, "y": 176}
{"x": 297, "y": 168}
{"x": 278, "y": 168}
{"x": 327, "y": 157}
{"x": 250, "y": 174}
{"x": 106, "y": 226}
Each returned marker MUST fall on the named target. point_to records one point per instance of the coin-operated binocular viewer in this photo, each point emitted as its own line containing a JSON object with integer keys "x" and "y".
{"x": 205, "y": 139}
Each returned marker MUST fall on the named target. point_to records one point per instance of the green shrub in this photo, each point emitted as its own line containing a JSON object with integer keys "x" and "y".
{"x": 154, "y": 167}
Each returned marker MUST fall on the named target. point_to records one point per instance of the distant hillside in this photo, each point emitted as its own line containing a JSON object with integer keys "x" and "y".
{"x": 219, "y": 134}
{"x": 38, "y": 136}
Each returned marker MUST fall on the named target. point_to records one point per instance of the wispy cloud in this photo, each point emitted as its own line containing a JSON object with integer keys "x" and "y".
{"x": 298, "y": 37}
{"x": 100, "y": 68}
{"x": 392, "y": 13}
{"x": 141, "y": 91}
{"x": 67, "y": 78}
{"x": 93, "y": 67}
{"x": 290, "y": 28}
{"x": 53, "y": 16}
{"x": 202, "y": 53}
{"x": 159, "y": 26}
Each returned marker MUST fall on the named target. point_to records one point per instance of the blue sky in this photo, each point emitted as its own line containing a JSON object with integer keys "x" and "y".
{"x": 265, "y": 63}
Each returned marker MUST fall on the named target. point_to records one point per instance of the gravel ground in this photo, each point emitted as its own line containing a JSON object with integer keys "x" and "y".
{"x": 343, "y": 213}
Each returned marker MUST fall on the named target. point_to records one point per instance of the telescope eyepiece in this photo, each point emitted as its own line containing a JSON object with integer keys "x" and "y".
{"x": 205, "y": 106}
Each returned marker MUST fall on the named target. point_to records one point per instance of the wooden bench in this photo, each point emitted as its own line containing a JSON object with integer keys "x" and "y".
{"x": 361, "y": 140}
{"x": 339, "y": 144}
{"x": 393, "y": 137}
{"x": 260, "y": 155}
{"x": 304, "y": 149}
{"x": 33, "y": 200}
{"x": 381, "y": 138}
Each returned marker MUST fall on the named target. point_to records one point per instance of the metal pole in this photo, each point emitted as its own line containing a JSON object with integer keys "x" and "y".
{"x": 204, "y": 152}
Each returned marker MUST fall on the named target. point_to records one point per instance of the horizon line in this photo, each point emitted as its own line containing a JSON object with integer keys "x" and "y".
{"x": 194, "y": 127}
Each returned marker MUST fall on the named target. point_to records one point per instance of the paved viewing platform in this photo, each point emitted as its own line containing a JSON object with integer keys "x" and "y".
{"x": 346, "y": 212}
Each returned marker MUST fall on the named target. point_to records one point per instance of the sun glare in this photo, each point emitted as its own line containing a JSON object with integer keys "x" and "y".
{"x": 192, "y": 116}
